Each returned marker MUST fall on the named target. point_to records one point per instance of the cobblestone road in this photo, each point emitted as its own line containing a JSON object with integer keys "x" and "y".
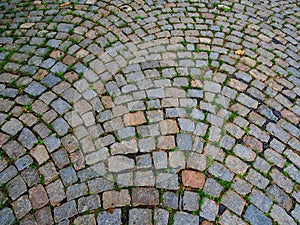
{"x": 150, "y": 112}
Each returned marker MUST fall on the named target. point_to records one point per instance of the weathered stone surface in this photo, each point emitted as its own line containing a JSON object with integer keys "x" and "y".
{"x": 188, "y": 112}
{"x": 228, "y": 218}
{"x": 7, "y": 216}
{"x": 255, "y": 216}
{"x": 109, "y": 218}
{"x": 44, "y": 216}
{"x": 185, "y": 218}
{"x": 133, "y": 119}
{"x": 21, "y": 206}
{"x": 38, "y": 197}
{"x": 209, "y": 209}
{"x": 16, "y": 187}
{"x": 12, "y": 127}
{"x": 145, "y": 196}
{"x": 113, "y": 199}
{"x": 193, "y": 179}
{"x": 281, "y": 216}
{"x": 233, "y": 202}
{"x": 120, "y": 163}
{"x": 140, "y": 216}
{"x": 65, "y": 211}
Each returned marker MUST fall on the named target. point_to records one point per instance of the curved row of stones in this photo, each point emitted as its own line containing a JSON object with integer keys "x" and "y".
{"x": 146, "y": 113}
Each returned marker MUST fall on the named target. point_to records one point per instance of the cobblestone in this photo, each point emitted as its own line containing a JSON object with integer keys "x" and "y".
{"x": 161, "y": 112}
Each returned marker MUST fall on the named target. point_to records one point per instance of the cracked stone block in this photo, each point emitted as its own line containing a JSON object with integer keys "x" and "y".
{"x": 144, "y": 161}
{"x": 7, "y": 174}
{"x": 120, "y": 163}
{"x": 283, "y": 199}
{"x": 221, "y": 172}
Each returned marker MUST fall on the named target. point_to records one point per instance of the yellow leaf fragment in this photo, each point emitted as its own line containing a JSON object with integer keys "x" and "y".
{"x": 65, "y": 4}
{"x": 239, "y": 52}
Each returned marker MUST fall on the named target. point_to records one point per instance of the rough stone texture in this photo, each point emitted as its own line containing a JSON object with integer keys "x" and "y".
{"x": 193, "y": 179}
{"x": 109, "y": 218}
{"x": 183, "y": 112}
{"x": 65, "y": 211}
{"x": 209, "y": 209}
{"x": 16, "y": 187}
{"x": 140, "y": 216}
{"x": 233, "y": 202}
{"x": 21, "y": 206}
{"x": 44, "y": 216}
{"x": 38, "y": 197}
{"x": 7, "y": 216}
{"x": 145, "y": 196}
{"x": 185, "y": 218}
{"x": 281, "y": 216}
{"x": 255, "y": 216}
{"x": 116, "y": 199}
